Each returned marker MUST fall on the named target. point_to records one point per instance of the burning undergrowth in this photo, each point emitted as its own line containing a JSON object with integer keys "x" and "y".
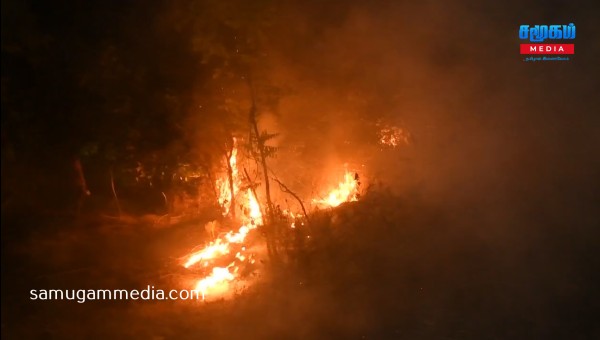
{"x": 343, "y": 275}
{"x": 232, "y": 259}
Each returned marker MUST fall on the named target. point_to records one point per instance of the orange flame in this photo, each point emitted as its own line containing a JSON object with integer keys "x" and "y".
{"x": 219, "y": 279}
{"x": 216, "y": 282}
{"x": 210, "y": 252}
{"x": 347, "y": 191}
{"x": 255, "y": 214}
{"x": 223, "y": 185}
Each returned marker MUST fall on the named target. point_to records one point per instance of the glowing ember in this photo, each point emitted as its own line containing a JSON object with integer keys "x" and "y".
{"x": 347, "y": 191}
{"x": 393, "y": 136}
{"x": 240, "y": 257}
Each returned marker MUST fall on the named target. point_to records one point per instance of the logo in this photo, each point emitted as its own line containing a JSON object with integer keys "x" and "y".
{"x": 538, "y": 34}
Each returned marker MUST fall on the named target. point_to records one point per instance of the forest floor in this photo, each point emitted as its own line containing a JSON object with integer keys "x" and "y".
{"x": 382, "y": 268}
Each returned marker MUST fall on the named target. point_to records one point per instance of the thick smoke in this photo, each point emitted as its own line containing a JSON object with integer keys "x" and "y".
{"x": 483, "y": 122}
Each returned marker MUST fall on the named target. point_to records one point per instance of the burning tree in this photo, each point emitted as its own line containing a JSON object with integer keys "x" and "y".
{"x": 243, "y": 87}
{"x": 260, "y": 151}
{"x": 228, "y": 258}
{"x": 227, "y": 188}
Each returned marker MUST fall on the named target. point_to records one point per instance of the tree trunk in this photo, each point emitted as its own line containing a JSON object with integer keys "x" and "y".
{"x": 269, "y": 221}
{"x": 271, "y": 250}
{"x": 228, "y": 156}
{"x": 263, "y": 161}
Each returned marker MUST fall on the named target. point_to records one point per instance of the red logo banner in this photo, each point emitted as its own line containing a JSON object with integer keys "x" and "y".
{"x": 547, "y": 48}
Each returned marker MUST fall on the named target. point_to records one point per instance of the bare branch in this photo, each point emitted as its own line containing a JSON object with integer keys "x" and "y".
{"x": 285, "y": 189}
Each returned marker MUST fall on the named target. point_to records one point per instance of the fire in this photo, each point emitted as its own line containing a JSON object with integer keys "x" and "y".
{"x": 347, "y": 191}
{"x": 255, "y": 214}
{"x": 218, "y": 281}
{"x": 223, "y": 185}
{"x": 210, "y": 252}
{"x": 239, "y": 236}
